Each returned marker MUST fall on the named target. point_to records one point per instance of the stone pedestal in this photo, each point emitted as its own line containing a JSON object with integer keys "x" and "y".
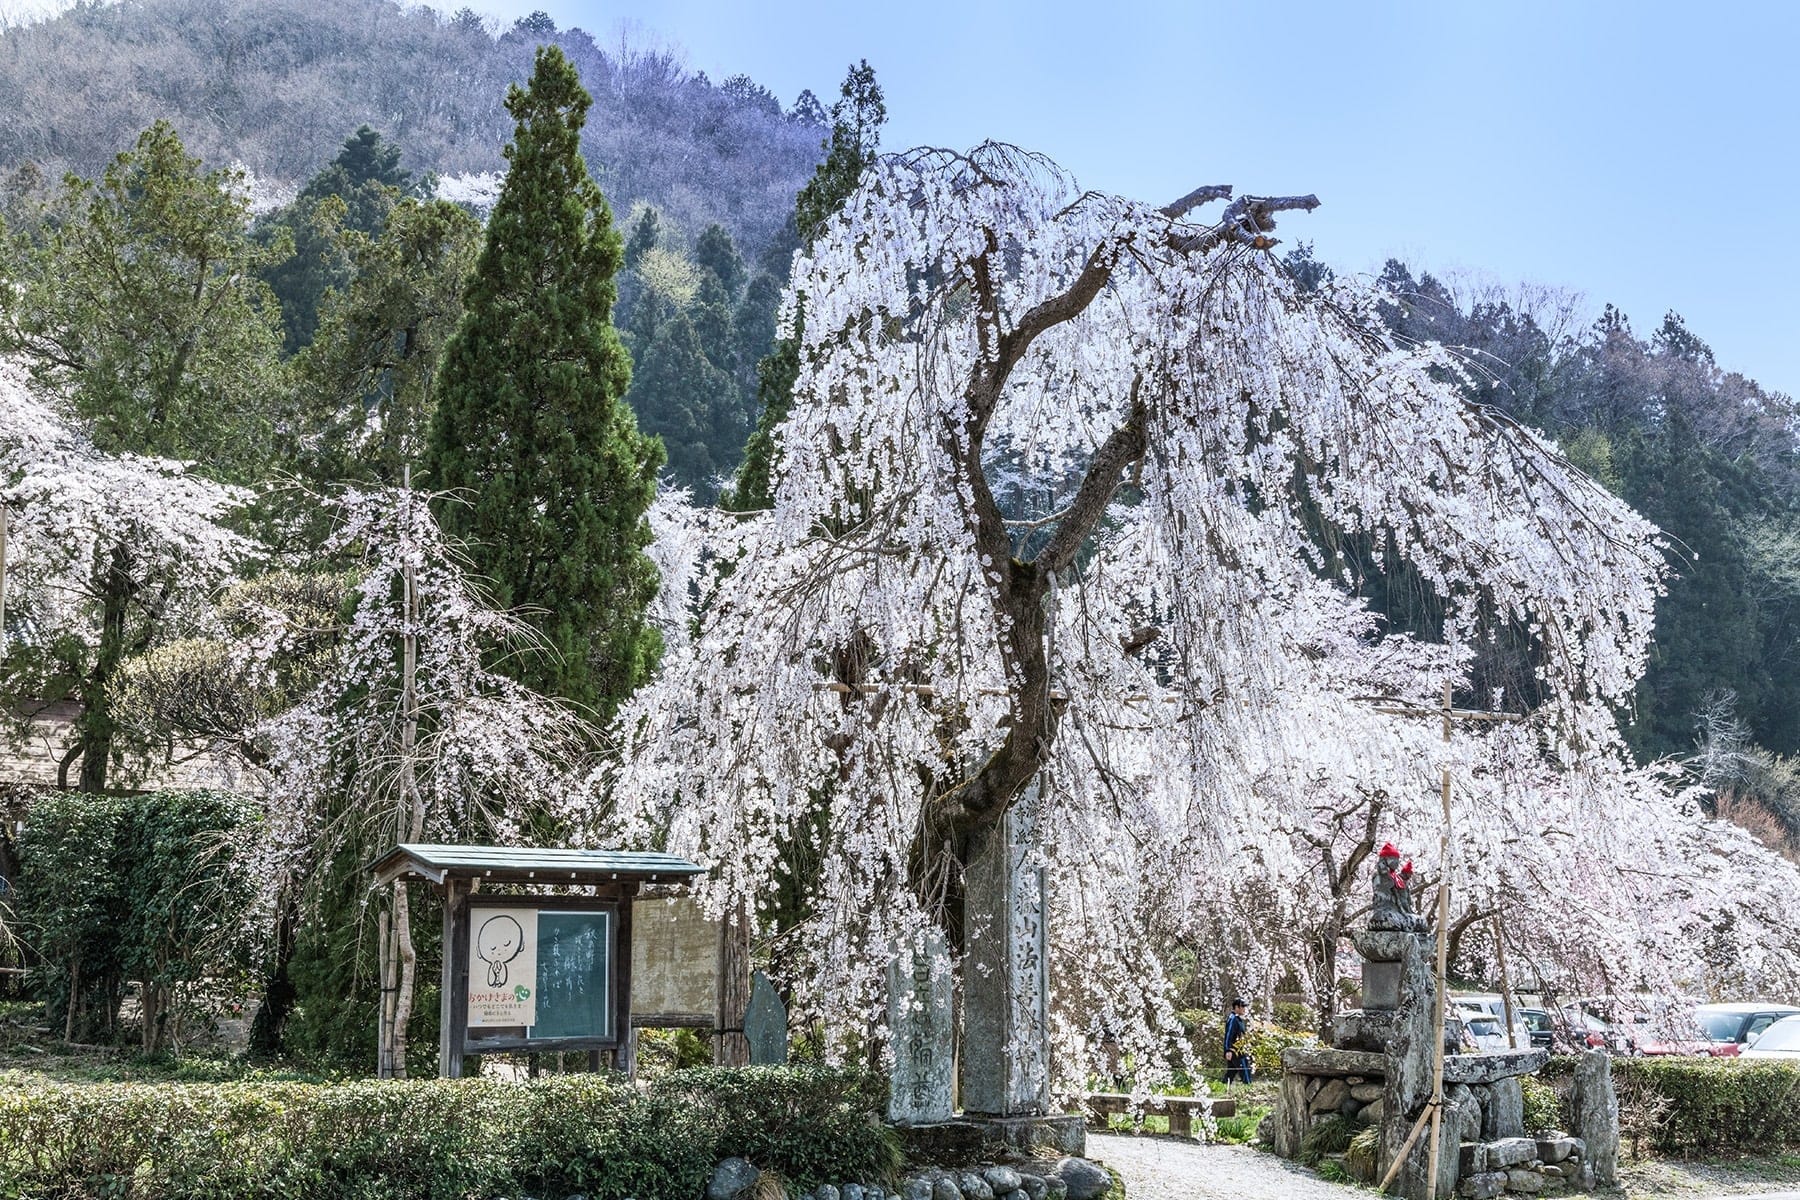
{"x": 923, "y": 1026}
{"x": 1005, "y": 1065}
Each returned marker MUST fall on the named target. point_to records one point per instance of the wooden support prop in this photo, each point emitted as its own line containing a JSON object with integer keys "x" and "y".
{"x": 1506, "y": 991}
{"x": 1443, "y": 946}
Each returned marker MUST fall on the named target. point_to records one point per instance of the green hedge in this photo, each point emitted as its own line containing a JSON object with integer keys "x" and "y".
{"x": 438, "y": 1139}
{"x": 1710, "y": 1104}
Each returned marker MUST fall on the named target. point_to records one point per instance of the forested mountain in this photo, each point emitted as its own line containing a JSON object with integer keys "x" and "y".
{"x": 278, "y": 84}
{"x": 702, "y": 179}
{"x": 1708, "y": 455}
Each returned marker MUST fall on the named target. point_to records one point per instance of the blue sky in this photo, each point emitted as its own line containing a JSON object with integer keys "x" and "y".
{"x": 1643, "y": 154}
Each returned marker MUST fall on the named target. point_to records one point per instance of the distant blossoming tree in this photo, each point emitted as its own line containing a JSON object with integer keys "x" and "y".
{"x": 1049, "y": 530}
{"x": 107, "y": 555}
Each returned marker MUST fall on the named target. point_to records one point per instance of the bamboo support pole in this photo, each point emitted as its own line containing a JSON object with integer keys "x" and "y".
{"x": 5, "y": 523}
{"x": 1443, "y": 946}
{"x": 1506, "y": 990}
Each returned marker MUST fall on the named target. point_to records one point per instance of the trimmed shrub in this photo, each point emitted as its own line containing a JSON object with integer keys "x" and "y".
{"x": 149, "y": 889}
{"x": 1543, "y": 1107}
{"x": 438, "y": 1139}
{"x": 1713, "y": 1104}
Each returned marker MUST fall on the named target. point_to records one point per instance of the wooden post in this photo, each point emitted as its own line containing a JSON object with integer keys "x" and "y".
{"x": 447, "y": 994}
{"x": 410, "y": 812}
{"x": 1506, "y": 991}
{"x": 732, "y": 1049}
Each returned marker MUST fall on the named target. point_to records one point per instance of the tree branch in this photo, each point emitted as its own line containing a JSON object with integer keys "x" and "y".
{"x": 1124, "y": 446}
{"x": 1247, "y": 221}
{"x": 1195, "y": 198}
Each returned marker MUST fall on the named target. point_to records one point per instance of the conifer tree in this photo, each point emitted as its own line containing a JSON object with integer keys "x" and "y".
{"x": 354, "y": 192}
{"x": 856, "y": 121}
{"x": 553, "y": 473}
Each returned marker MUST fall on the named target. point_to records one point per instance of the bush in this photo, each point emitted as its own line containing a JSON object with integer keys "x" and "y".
{"x": 1543, "y": 1107}
{"x": 1333, "y": 1135}
{"x": 1266, "y": 1045}
{"x": 431, "y": 1139}
{"x": 150, "y": 889}
{"x": 1712, "y": 1104}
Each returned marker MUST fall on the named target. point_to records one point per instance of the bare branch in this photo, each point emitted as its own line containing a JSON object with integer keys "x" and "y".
{"x": 1195, "y": 198}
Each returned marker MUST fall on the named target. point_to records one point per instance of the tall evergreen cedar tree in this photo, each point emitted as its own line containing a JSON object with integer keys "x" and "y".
{"x": 553, "y": 477}
{"x": 856, "y": 121}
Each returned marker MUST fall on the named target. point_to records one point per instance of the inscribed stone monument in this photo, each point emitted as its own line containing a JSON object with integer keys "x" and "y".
{"x": 765, "y": 1023}
{"x": 1005, "y": 1066}
{"x": 922, "y": 1024}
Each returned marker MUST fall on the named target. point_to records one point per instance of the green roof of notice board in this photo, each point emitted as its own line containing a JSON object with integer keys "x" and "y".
{"x": 529, "y": 864}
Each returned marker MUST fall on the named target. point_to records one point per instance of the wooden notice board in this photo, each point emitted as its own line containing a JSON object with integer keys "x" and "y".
{"x": 540, "y": 972}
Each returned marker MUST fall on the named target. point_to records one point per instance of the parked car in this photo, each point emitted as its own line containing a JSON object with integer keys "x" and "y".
{"x": 1725, "y": 1029}
{"x": 1780, "y": 1040}
{"x": 1541, "y": 1027}
{"x": 1494, "y": 1005}
{"x": 1486, "y": 1032}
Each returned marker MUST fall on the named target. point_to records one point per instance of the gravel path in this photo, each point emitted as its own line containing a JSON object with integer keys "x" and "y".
{"x": 1157, "y": 1168}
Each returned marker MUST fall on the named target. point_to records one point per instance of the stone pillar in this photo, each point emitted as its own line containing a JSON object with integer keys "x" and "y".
{"x": 922, "y": 1024}
{"x": 1005, "y": 1065}
{"x": 1597, "y": 1115}
{"x": 1402, "y": 966}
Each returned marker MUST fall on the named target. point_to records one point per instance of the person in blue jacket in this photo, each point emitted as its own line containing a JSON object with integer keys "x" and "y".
{"x": 1237, "y": 1055}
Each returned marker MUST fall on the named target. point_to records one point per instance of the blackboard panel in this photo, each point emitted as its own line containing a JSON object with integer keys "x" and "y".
{"x": 574, "y": 960}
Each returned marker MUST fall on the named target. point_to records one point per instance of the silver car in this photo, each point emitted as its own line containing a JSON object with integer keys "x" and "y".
{"x": 1780, "y": 1040}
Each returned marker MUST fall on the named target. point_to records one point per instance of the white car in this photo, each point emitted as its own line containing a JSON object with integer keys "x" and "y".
{"x": 1780, "y": 1040}
{"x": 1494, "y": 1006}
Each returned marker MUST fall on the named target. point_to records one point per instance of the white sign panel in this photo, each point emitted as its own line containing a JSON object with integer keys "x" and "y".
{"x": 502, "y": 967}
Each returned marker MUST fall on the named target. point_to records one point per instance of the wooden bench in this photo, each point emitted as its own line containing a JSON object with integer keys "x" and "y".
{"x": 1179, "y": 1109}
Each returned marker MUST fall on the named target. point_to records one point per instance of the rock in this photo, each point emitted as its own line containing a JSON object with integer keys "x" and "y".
{"x": 1082, "y": 1180}
{"x": 944, "y": 1188}
{"x": 917, "y": 1189}
{"x": 854, "y": 1191}
{"x": 1597, "y": 1115}
{"x": 974, "y": 1187}
{"x": 1483, "y": 1186}
{"x": 1365, "y": 1092}
{"x": 1471, "y": 1158}
{"x": 1510, "y": 1152}
{"x": 1033, "y": 1185}
{"x": 1587, "y": 1181}
{"x": 1055, "y": 1188}
{"x": 1330, "y": 1097}
{"x": 1520, "y": 1180}
{"x": 730, "y": 1177}
{"x": 1461, "y": 1123}
{"x": 1554, "y": 1150}
{"x": 1312, "y": 1087}
{"x": 1373, "y": 1112}
{"x": 1015, "y": 1194}
{"x": 1001, "y": 1179}
{"x": 1504, "y": 1115}
{"x": 826, "y": 1192}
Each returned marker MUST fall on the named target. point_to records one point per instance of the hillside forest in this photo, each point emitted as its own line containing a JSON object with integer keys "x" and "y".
{"x": 281, "y": 286}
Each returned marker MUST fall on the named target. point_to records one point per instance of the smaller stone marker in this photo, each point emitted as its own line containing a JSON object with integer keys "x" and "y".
{"x": 1597, "y": 1114}
{"x": 920, "y": 1018}
{"x": 766, "y": 1023}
